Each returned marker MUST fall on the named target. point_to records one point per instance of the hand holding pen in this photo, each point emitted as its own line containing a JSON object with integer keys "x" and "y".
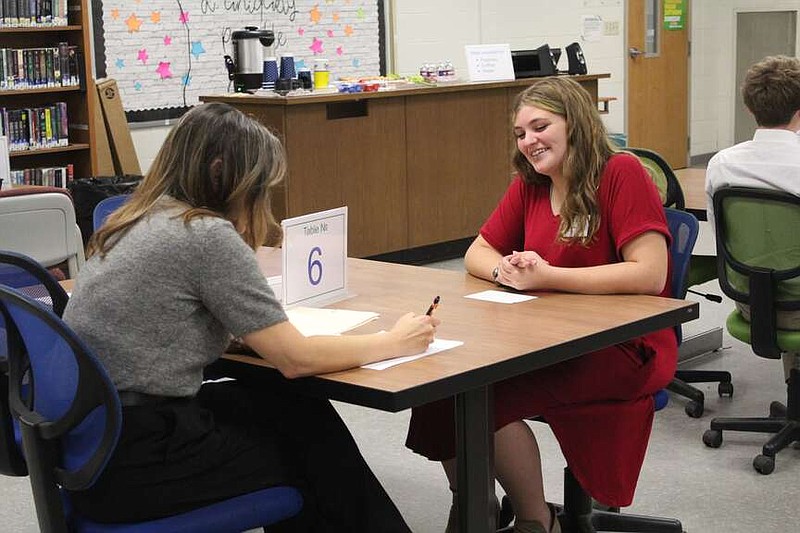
{"x": 433, "y": 307}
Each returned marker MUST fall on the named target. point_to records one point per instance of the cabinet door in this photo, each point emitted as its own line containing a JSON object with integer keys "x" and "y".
{"x": 353, "y": 154}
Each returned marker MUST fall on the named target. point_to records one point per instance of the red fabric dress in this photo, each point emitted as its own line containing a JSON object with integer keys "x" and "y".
{"x": 599, "y": 405}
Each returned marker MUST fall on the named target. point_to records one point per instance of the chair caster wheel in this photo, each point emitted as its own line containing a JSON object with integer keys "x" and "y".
{"x": 725, "y": 389}
{"x": 712, "y": 438}
{"x": 694, "y": 409}
{"x": 777, "y": 410}
{"x": 764, "y": 464}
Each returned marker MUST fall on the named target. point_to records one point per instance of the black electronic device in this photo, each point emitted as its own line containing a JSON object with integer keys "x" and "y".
{"x": 533, "y": 63}
{"x": 577, "y": 63}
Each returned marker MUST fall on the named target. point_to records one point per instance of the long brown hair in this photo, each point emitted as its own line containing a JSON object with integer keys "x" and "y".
{"x": 217, "y": 162}
{"x": 588, "y": 150}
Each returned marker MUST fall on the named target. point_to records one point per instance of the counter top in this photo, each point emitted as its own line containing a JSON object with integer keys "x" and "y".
{"x": 272, "y": 98}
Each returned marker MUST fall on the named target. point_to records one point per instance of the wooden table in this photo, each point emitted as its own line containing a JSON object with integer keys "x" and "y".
{"x": 500, "y": 341}
{"x": 417, "y": 166}
{"x": 693, "y": 184}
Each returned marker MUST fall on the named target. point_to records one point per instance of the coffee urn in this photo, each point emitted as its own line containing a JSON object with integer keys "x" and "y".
{"x": 250, "y": 47}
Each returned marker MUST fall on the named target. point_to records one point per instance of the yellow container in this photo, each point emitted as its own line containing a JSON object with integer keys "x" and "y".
{"x": 321, "y": 79}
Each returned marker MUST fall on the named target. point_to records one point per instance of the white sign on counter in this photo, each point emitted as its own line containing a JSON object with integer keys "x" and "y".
{"x": 314, "y": 257}
{"x": 489, "y": 62}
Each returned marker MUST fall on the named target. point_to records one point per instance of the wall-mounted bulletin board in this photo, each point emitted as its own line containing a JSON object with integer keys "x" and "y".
{"x": 164, "y": 54}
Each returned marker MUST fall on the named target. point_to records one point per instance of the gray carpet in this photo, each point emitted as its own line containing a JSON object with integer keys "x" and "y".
{"x": 710, "y": 490}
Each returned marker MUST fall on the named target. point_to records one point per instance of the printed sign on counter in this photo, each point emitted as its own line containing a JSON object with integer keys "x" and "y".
{"x": 489, "y": 62}
{"x": 315, "y": 257}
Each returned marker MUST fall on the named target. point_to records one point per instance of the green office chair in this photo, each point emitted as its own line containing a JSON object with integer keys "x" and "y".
{"x": 758, "y": 259}
{"x": 672, "y": 196}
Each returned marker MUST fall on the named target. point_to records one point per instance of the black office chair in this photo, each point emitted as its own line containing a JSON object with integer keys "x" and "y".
{"x": 26, "y": 275}
{"x": 672, "y": 196}
{"x": 758, "y": 261}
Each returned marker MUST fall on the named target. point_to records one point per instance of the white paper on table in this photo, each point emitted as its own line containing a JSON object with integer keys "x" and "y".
{"x": 438, "y": 345}
{"x": 323, "y": 321}
{"x": 500, "y": 297}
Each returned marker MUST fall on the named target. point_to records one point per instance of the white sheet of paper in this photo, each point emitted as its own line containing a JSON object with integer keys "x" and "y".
{"x": 500, "y": 297}
{"x": 438, "y": 345}
{"x": 322, "y": 321}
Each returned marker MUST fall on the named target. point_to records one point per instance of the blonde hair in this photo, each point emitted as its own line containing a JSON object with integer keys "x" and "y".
{"x": 218, "y": 162}
{"x": 588, "y": 151}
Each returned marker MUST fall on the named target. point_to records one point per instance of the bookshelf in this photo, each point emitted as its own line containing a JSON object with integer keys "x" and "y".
{"x": 37, "y": 85}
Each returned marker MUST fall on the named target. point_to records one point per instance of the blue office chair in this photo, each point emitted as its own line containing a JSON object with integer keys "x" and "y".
{"x": 105, "y": 207}
{"x": 25, "y": 274}
{"x": 70, "y": 417}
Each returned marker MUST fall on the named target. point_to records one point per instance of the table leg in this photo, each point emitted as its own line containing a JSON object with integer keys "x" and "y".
{"x": 475, "y": 460}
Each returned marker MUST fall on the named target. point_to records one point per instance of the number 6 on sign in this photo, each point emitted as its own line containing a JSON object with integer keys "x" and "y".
{"x": 315, "y": 257}
{"x": 314, "y": 266}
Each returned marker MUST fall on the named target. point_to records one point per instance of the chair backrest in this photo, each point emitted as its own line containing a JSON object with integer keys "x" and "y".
{"x": 669, "y": 188}
{"x": 105, "y": 207}
{"x": 67, "y": 407}
{"x": 684, "y": 228}
{"x": 40, "y": 222}
{"x": 29, "y": 277}
{"x": 758, "y": 256}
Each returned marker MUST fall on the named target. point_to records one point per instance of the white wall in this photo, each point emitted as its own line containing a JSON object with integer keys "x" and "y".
{"x": 426, "y": 31}
{"x": 713, "y": 68}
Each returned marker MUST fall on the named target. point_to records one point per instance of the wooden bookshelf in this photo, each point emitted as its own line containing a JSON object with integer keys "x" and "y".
{"x": 80, "y": 153}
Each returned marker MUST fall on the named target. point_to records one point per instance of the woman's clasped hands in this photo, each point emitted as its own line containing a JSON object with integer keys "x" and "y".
{"x": 522, "y": 270}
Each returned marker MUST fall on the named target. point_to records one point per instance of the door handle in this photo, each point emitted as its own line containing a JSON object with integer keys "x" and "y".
{"x": 634, "y": 52}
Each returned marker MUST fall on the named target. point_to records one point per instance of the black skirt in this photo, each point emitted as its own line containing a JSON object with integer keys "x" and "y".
{"x": 229, "y": 440}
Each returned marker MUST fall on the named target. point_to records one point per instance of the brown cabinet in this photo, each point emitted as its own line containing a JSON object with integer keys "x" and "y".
{"x": 80, "y": 151}
{"x": 415, "y": 166}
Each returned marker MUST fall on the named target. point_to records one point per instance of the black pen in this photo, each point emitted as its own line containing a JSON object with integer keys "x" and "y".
{"x": 433, "y": 306}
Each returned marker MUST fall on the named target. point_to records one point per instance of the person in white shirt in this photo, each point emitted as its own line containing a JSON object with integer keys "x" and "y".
{"x": 771, "y": 160}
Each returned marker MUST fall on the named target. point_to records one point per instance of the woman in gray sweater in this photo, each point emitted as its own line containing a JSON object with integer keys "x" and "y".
{"x": 172, "y": 275}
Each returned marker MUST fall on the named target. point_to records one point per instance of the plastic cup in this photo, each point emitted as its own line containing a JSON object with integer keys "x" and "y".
{"x": 270, "y": 73}
{"x": 321, "y": 79}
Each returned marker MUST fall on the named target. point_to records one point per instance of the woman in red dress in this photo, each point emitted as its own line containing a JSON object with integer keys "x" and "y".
{"x": 578, "y": 217}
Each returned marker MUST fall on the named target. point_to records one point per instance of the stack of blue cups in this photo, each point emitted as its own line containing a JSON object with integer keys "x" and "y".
{"x": 287, "y": 67}
{"x": 270, "y": 73}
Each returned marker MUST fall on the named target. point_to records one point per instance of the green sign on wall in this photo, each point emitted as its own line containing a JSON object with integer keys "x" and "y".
{"x": 674, "y": 14}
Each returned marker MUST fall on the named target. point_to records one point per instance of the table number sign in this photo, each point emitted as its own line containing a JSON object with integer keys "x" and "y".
{"x": 314, "y": 257}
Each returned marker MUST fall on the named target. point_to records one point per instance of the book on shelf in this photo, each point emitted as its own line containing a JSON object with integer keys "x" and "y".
{"x": 5, "y": 164}
{"x": 52, "y": 66}
{"x": 35, "y": 127}
{"x": 27, "y": 13}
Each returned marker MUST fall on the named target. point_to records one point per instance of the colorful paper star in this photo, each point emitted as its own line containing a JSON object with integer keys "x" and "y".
{"x": 197, "y": 49}
{"x": 142, "y": 56}
{"x": 339, "y": 50}
{"x": 120, "y": 63}
{"x": 133, "y": 22}
{"x": 186, "y": 80}
{"x": 316, "y": 46}
{"x": 330, "y": 33}
{"x": 164, "y": 70}
{"x": 348, "y": 30}
{"x": 137, "y": 86}
{"x": 167, "y": 40}
{"x": 184, "y": 18}
{"x": 335, "y": 17}
{"x": 300, "y": 31}
{"x": 316, "y": 16}
{"x": 300, "y": 64}
{"x": 155, "y": 17}
{"x": 356, "y": 62}
{"x": 360, "y": 13}
{"x": 115, "y": 14}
